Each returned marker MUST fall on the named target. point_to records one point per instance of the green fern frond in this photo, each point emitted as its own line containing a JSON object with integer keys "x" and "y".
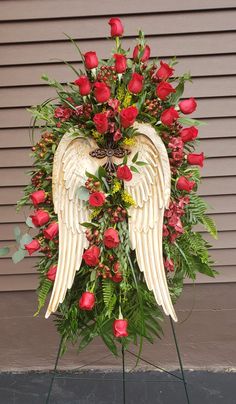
{"x": 109, "y": 297}
{"x": 43, "y": 291}
{"x": 209, "y": 225}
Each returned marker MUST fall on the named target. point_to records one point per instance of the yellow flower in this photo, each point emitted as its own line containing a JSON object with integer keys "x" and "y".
{"x": 116, "y": 187}
{"x": 127, "y": 100}
{"x": 129, "y": 141}
{"x": 121, "y": 92}
{"x": 98, "y": 136}
{"x": 94, "y": 213}
{"x": 127, "y": 198}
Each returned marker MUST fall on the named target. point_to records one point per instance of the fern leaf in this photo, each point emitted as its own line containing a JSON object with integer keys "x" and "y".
{"x": 43, "y": 291}
{"x": 209, "y": 225}
{"x": 109, "y": 297}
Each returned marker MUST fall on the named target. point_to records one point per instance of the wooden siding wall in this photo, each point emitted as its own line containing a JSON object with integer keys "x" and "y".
{"x": 202, "y": 34}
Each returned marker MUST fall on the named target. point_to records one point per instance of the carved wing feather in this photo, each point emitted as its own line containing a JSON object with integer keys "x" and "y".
{"x": 150, "y": 188}
{"x": 71, "y": 161}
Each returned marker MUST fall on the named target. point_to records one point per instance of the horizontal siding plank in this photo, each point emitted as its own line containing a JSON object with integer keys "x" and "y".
{"x": 214, "y": 128}
{"x": 221, "y": 167}
{"x": 158, "y": 24}
{"x": 208, "y": 187}
{"x": 26, "y": 266}
{"x": 224, "y": 222}
{"x": 207, "y": 108}
{"x": 221, "y": 203}
{"x": 211, "y": 65}
{"x": 201, "y": 87}
{"x": 179, "y": 45}
{"x": 19, "y": 282}
{"x": 212, "y": 148}
{"x": 225, "y": 275}
{"x": 50, "y": 9}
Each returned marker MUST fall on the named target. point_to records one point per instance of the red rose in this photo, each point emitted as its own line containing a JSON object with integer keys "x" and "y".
{"x": 128, "y": 116}
{"x": 189, "y": 134}
{"x": 169, "y": 264}
{"x": 97, "y": 199}
{"x": 124, "y": 173}
{"x": 117, "y": 28}
{"x": 32, "y": 246}
{"x": 120, "y": 63}
{"x": 90, "y": 60}
{"x": 51, "y": 274}
{"x": 117, "y": 135}
{"x": 101, "y": 92}
{"x": 51, "y": 231}
{"x": 40, "y": 217}
{"x": 164, "y": 89}
{"x": 196, "y": 159}
{"x": 145, "y": 53}
{"x": 169, "y": 116}
{"x": 87, "y": 301}
{"x": 184, "y": 184}
{"x": 120, "y": 328}
{"x": 135, "y": 85}
{"x": 38, "y": 197}
{"x": 111, "y": 238}
{"x": 165, "y": 71}
{"x": 84, "y": 85}
{"x": 91, "y": 256}
{"x": 101, "y": 122}
{"x": 188, "y": 106}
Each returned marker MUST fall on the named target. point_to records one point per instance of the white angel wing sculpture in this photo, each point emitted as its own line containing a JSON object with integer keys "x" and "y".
{"x": 151, "y": 191}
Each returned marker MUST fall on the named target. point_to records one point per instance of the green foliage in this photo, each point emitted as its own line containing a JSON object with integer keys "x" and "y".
{"x": 4, "y": 251}
{"x": 109, "y": 297}
{"x": 42, "y": 292}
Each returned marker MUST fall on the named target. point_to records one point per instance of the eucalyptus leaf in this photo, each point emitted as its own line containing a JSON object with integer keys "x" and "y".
{"x": 4, "y": 251}
{"x": 25, "y": 239}
{"x": 174, "y": 98}
{"x": 101, "y": 172}
{"x": 190, "y": 121}
{"x": 135, "y": 158}
{"x": 83, "y": 193}
{"x": 17, "y": 233}
{"x": 29, "y": 222}
{"x": 134, "y": 169}
{"x": 18, "y": 256}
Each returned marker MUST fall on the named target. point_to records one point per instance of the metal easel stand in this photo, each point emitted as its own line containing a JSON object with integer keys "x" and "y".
{"x": 124, "y": 380}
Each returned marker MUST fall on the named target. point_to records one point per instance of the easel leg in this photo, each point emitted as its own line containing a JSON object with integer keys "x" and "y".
{"x": 54, "y": 373}
{"x": 123, "y": 374}
{"x": 180, "y": 360}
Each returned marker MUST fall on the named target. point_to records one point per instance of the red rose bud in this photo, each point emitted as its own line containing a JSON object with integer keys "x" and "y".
{"x": 169, "y": 264}
{"x": 165, "y": 231}
{"x": 91, "y": 256}
{"x": 51, "y": 274}
{"x": 120, "y": 328}
{"x": 40, "y": 218}
{"x": 165, "y": 71}
{"x": 124, "y": 173}
{"x": 188, "y": 106}
{"x": 196, "y": 159}
{"x": 38, "y": 197}
{"x": 84, "y": 85}
{"x": 164, "y": 89}
{"x": 120, "y": 63}
{"x": 101, "y": 92}
{"x": 111, "y": 238}
{"x": 189, "y": 134}
{"x": 145, "y": 54}
{"x": 183, "y": 184}
{"x": 135, "y": 85}
{"x": 32, "y": 246}
{"x": 97, "y": 199}
{"x": 169, "y": 116}
{"x": 117, "y": 278}
{"x": 51, "y": 231}
{"x": 117, "y": 28}
{"x": 87, "y": 301}
{"x": 90, "y": 60}
{"x": 101, "y": 122}
{"x": 128, "y": 116}
{"x": 117, "y": 135}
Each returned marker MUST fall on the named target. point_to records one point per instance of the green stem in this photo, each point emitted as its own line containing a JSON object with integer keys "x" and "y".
{"x": 117, "y": 43}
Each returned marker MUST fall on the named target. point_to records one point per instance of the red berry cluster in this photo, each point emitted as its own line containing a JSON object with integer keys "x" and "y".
{"x": 107, "y": 74}
{"x": 93, "y": 236}
{"x": 92, "y": 185}
{"x": 84, "y": 111}
{"x": 153, "y": 107}
{"x": 117, "y": 214}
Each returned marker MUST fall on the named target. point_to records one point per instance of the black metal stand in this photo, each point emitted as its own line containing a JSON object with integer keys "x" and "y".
{"x": 124, "y": 381}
